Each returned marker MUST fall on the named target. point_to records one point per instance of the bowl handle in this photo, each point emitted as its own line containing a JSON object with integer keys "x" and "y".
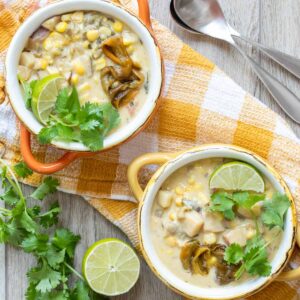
{"x": 45, "y": 168}
{"x": 144, "y": 13}
{"x": 293, "y": 274}
{"x": 138, "y": 163}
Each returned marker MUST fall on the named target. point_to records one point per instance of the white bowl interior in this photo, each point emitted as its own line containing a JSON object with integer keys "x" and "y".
{"x": 33, "y": 22}
{"x": 222, "y": 292}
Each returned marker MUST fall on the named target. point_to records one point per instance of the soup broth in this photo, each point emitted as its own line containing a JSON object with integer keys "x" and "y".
{"x": 71, "y": 45}
{"x": 181, "y": 215}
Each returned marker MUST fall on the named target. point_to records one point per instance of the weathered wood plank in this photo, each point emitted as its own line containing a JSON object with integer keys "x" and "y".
{"x": 280, "y": 29}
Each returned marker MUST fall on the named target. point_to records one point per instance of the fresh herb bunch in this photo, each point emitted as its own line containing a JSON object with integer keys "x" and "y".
{"x": 253, "y": 258}
{"x": 69, "y": 121}
{"x": 28, "y": 229}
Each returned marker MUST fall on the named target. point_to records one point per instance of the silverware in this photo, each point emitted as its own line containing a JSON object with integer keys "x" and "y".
{"x": 206, "y": 17}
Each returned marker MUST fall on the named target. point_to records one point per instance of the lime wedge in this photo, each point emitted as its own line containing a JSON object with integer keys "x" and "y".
{"x": 110, "y": 267}
{"x": 44, "y": 96}
{"x": 237, "y": 176}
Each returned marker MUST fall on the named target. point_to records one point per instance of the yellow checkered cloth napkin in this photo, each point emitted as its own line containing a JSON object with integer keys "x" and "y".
{"x": 200, "y": 105}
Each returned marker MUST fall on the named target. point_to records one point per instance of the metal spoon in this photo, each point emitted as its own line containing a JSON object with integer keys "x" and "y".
{"x": 206, "y": 17}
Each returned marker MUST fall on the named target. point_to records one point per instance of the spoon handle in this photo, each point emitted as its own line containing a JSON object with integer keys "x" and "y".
{"x": 285, "y": 98}
{"x": 290, "y": 63}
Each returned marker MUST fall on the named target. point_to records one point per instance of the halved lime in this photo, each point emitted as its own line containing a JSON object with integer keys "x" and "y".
{"x": 237, "y": 176}
{"x": 111, "y": 267}
{"x": 44, "y": 96}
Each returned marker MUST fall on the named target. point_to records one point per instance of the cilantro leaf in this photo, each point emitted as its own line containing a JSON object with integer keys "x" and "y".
{"x": 50, "y": 218}
{"x": 37, "y": 243}
{"x": 73, "y": 102}
{"x": 48, "y": 186}
{"x": 44, "y": 277}
{"x": 111, "y": 117}
{"x": 90, "y": 125}
{"x": 47, "y": 134}
{"x": 226, "y": 202}
{"x": 275, "y": 210}
{"x": 92, "y": 139}
{"x": 80, "y": 292}
{"x": 65, "y": 239}
{"x": 22, "y": 170}
{"x": 253, "y": 258}
{"x": 233, "y": 254}
{"x": 256, "y": 261}
{"x": 61, "y": 104}
{"x": 27, "y": 88}
{"x": 54, "y": 257}
{"x": 247, "y": 200}
{"x": 10, "y": 197}
{"x": 222, "y": 202}
{"x": 65, "y": 133}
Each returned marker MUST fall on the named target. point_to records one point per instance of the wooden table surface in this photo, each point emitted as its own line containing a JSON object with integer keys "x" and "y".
{"x": 274, "y": 23}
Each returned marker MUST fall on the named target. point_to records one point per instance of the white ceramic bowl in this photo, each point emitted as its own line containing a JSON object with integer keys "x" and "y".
{"x": 35, "y": 20}
{"x": 171, "y": 164}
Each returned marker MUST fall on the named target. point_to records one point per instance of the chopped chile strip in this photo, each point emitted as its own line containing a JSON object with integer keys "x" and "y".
{"x": 122, "y": 80}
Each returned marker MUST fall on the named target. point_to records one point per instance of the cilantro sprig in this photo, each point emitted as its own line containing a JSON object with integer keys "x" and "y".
{"x": 71, "y": 122}
{"x": 253, "y": 258}
{"x": 225, "y": 202}
{"x": 27, "y": 228}
{"x": 275, "y": 210}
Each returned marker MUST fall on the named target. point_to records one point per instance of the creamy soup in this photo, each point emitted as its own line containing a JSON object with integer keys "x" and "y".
{"x": 98, "y": 54}
{"x": 182, "y": 221}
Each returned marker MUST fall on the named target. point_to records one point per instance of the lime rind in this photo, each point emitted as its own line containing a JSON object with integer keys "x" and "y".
{"x": 44, "y": 96}
{"x": 111, "y": 267}
{"x": 237, "y": 176}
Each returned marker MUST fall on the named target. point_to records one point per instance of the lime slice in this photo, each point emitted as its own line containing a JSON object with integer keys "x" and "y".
{"x": 111, "y": 267}
{"x": 44, "y": 96}
{"x": 237, "y": 176}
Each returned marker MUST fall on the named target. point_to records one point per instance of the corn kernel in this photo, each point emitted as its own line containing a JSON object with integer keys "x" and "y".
{"x": 179, "y": 191}
{"x": 92, "y": 35}
{"x": 61, "y": 27}
{"x": 84, "y": 87}
{"x": 74, "y": 79}
{"x": 47, "y": 44}
{"x": 44, "y": 64}
{"x": 79, "y": 68}
{"x": 85, "y": 44}
{"x": 178, "y": 201}
{"x": 40, "y": 64}
{"x": 212, "y": 261}
{"x": 250, "y": 234}
{"x": 172, "y": 216}
{"x": 127, "y": 42}
{"x": 100, "y": 63}
{"x": 55, "y": 35}
{"x": 191, "y": 180}
{"x": 171, "y": 241}
{"x": 118, "y": 26}
{"x": 130, "y": 49}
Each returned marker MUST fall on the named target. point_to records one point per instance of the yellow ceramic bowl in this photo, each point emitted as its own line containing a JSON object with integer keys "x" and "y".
{"x": 172, "y": 162}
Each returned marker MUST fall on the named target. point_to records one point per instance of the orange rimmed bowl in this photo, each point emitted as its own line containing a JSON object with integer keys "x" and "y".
{"x": 172, "y": 162}
{"x": 29, "y": 124}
